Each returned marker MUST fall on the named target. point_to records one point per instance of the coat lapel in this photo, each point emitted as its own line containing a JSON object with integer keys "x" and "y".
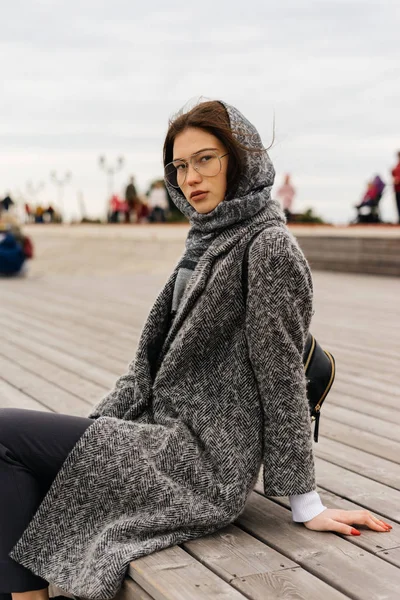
{"x": 151, "y": 340}
{"x": 194, "y": 289}
{"x": 198, "y": 282}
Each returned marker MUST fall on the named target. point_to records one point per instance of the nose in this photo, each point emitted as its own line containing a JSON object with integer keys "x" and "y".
{"x": 192, "y": 176}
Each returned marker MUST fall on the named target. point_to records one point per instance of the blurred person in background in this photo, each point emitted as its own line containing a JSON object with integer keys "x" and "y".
{"x": 39, "y": 211}
{"x": 131, "y": 198}
{"x": 7, "y": 203}
{"x": 368, "y": 209}
{"x": 115, "y": 208}
{"x": 142, "y": 210}
{"x": 158, "y": 203}
{"x": 286, "y": 195}
{"x": 15, "y": 247}
{"x": 28, "y": 213}
{"x": 396, "y": 185}
{"x": 50, "y": 212}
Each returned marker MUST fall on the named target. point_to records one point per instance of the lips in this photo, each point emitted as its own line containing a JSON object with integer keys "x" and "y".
{"x": 198, "y": 195}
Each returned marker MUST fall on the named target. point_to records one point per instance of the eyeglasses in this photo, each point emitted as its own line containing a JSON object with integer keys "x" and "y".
{"x": 205, "y": 162}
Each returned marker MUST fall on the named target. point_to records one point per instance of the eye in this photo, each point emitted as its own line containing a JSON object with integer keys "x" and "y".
{"x": 180, "y": 166}
{"x": 205, "y": 158}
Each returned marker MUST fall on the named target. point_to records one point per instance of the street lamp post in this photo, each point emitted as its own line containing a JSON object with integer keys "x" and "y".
{"x": 60, "y": 183}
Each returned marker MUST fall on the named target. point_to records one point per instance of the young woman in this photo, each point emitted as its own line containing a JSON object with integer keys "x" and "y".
{"x": 216, "y": 390}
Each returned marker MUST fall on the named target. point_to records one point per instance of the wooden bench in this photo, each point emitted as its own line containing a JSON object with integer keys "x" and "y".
{"x": 65, "y": 339}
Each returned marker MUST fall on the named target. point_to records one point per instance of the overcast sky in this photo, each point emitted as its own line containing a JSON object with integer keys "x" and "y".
{"x": 80, "y": 79}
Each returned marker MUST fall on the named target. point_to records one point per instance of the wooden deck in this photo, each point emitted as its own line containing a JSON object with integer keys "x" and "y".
{"x": 66, "y": 337}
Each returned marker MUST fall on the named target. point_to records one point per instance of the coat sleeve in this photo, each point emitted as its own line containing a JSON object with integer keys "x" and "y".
{"x": 120, "y": 399}
{"x": 278, "y": 314}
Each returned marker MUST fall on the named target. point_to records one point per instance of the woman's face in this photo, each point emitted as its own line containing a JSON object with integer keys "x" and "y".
{"x": 188, "y": 143}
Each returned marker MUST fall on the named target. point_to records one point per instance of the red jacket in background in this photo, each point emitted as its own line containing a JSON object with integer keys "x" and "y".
{"x": 396, "y": 178}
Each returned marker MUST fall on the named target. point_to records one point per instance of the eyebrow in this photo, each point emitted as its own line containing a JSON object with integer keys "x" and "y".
{"x": 202, "y": 150}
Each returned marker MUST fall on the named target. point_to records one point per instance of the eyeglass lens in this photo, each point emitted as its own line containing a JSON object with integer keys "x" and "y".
{"x": 207, "y": 163}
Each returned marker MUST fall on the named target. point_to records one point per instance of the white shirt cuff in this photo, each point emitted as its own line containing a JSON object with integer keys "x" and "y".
{"x": 306, "y": 506}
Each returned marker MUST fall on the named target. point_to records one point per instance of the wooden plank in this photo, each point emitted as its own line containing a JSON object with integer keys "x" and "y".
{"x": 75, "y": 316}
{"x": 118, "y": 337}
{"x": 362, "y": 422}
{"x": 358, "y": 461}
{"x": 30, "y": 359}
{"x": 392, "y": 555}
{"x": 232, "y": 553}
{"x": 351, "y": 370}
{"x": 65, "y": 359}
{"x": 255, "y": 569}
{"x": 362, "y": 343}
{"x": 12, "y": 397}
{"x": 286, "y": 585}
{"x": 379, "y": 389}
{"x": 363, "y": 440}
{"x": 45, "y": 393}
{"x": 173, "y": 574}
{"x": 353, "y": 373}
{"x": 357, "y": 361}
{"x": 113, "y": 290}
{"x": 340, "y": 564}
{"x": 113, "y": 306}
{"x": 360, "y": 301}
{"x": 366, "y": 407}
{"x": 101, "y": 350}
{"x": 77, "y": 302}
{"x": 130, "y": 590}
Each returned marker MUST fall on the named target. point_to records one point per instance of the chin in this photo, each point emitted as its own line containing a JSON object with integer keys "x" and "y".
{"x": 204, "y": 209}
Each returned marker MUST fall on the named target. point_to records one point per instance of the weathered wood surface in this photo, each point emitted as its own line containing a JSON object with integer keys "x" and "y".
{"x": 66, "y": 336}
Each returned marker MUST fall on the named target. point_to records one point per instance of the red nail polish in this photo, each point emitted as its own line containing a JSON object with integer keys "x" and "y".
{"x": 355, "y": 532}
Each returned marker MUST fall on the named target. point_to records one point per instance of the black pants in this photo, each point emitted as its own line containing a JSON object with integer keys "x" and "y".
{"x": 33, "y": 447}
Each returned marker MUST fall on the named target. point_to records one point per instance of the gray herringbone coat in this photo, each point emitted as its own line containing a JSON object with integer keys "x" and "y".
{"x": 176, "y": 446}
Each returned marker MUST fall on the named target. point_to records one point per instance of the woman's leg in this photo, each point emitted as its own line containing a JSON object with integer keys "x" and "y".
{"x": 33, "y": 447}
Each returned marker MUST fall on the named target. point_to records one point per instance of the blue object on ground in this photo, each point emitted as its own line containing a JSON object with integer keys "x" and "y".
{"x": 11, "y": 254}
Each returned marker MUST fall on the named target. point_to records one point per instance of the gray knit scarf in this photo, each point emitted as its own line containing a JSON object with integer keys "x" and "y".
{"x": 252, "y": 202}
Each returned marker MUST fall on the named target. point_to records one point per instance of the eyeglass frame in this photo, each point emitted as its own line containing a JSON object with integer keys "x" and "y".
{"x": 189, "y": 161}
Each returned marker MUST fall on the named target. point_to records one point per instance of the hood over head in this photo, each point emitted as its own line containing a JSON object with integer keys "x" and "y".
{"x": 251, "y": 196}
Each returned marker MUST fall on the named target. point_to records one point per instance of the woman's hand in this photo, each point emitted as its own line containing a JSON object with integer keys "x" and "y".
{"x": 332, "y": 519}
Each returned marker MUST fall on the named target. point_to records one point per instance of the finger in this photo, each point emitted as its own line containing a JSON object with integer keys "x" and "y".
{"x": 363, "y": 517}
{"x": 343, "y": 528}
{"x": 377, "y": 524}
{"x": 381, "y": 521}
{"x": 352, "y": 516}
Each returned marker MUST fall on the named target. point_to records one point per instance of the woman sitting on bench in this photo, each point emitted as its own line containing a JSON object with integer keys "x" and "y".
{"x": 217, "y": 390}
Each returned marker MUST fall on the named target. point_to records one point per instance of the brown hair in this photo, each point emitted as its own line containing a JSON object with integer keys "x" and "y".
{"x": 211, "y": 116}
